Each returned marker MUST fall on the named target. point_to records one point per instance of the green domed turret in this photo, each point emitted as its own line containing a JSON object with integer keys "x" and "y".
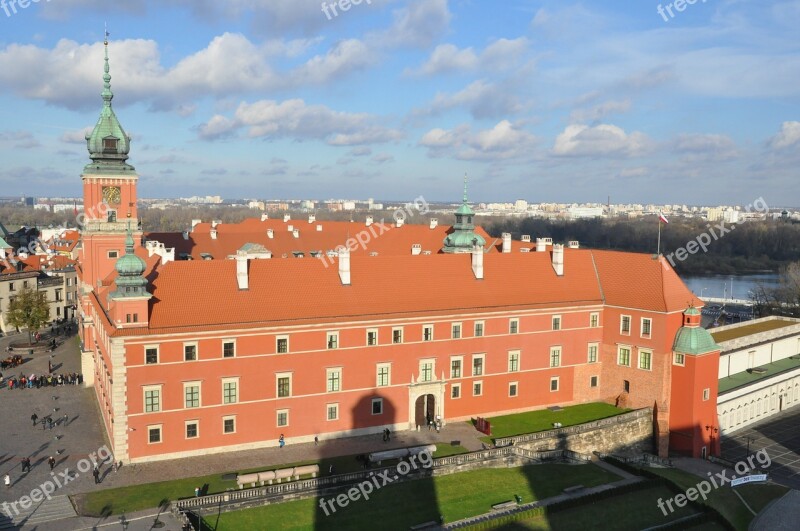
{"x": 463, "y": 238}
{"x": 130, "y": 282}
{"x": 691, "y": 337}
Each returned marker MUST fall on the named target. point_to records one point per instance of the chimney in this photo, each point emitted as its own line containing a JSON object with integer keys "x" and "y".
{"x": 241, "y": 272}
{"x": 319, "y": 228}
{"x": 573, "y": 244}
{"x": 344, "y": 265}
{"x": 416, "y": 249}
{"x": 196, "y": 222}
{"x": 506, "y": 242}
{"x": 558, "y": 259}
{"x": 369, "y": 221}
{"x": 186, "y": 235}
{"x": 541, "y": 245}
{"x": 286, "y": 217}
{"x": 312, "y": 218}
{"x": 524, "y": 250}
{"x": 264, "y": 216}
{"x": 434, "y": 223}
{"x": 270, "y": 233}
{"x": 526, "y": 238}
{"x": 290, "y": 228}
{"x": 477, "y": 261}
{"x": 213, "y": 234}
{"x": 215, "y": 222}
{"x": 296, "y": 233}
{"x": 399, "y": 222}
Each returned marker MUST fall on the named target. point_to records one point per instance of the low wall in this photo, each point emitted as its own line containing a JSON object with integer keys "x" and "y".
{"x": 629, "y": 432}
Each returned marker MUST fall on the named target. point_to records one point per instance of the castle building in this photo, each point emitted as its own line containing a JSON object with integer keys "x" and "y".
{"x": 246, "y": 338}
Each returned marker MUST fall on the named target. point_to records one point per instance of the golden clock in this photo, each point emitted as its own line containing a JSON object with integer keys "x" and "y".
{"x": 111, "y": 195}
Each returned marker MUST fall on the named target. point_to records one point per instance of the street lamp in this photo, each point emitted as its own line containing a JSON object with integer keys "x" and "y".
{"x": 703, "y": 291}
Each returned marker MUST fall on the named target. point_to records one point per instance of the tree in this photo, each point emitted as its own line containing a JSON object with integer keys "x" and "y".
{"x": 29, "y": 309}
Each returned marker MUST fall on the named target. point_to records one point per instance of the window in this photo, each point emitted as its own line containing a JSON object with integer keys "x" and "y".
{"x": 228, "y": 349}
{"x": 512, "y": 389}
{"x": 283, "y": 418}
{"x": 24, "y": 283}
{"x": 645, "y": 359}
{"x": 593, "y": 381}
{"x": 377, "y": 406}
{"x": 477, "y": 365}
{"x": 593, "y": 352}
{"x": 556, "y": 322}
{"x": 372, "y": 337}
{"x": 426, "y": 370}
{"x": 513, "y": 326}
{"x": 282, "y": 344}
{"x": 229, "y": 424}
{"x": 191, "y": 394}
{"x": 554, "y": 384}
{"x": 455, "y": 391}
{"x": 455, "y": 367}
{"x": 594, "y": 320}
{"x": 150, "y": 355}
{"x": 384, "y": 374}
{"x": 706, "y": 393}
{"x": 230, "y": 391}
{"x": 10, "y": 286}
{"x": 109, "y": 145}
{"x": 152, "y": 399}
{"x": 427, "y": 333}
{"x": 456, "y": 331}
{"x": 154, "y": 434}
{"x": 334, "y": 380}
{"x": 333, "y": 412}
{"x": 113, "y": 254}
{"x": 679, "y": 358}
{"x": 111, "y": 217}
{"x": 646, "y": 326}
{"x": 192, "y": 429}
{"x": 513, "y": 361}
{"x": 397, "y": 335}
{"x": 284, "y": 385}
{"x": 333, "y": 340}
{"x": 478, "y": 328}
{"x": 626, "y": 386}
{"x": 624, "y": 356}
{"x": 555, "y": 356}
{"x": 477, "y": 388}
{"x": 625, "y": 324}
{"x": 190, "y": 352}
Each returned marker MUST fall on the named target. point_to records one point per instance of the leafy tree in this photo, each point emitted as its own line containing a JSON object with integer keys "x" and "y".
{"x": 29, "y": 309}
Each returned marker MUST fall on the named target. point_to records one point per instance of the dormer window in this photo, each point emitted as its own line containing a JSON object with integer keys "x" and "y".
{"x": 110, "y": 144}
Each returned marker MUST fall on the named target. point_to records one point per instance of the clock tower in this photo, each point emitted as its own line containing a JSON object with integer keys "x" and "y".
{"x": 109, "y": 193}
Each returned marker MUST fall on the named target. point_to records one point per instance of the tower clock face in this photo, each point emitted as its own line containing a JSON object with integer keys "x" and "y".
{"x": 111, "y": 195}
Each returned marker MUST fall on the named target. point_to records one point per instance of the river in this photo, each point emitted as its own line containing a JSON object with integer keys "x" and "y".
{"x": 728, "y": 286}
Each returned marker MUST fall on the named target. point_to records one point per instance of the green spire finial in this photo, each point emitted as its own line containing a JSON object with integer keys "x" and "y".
{"x": 129, "y": 242}
{"x": 107, "y": 94}
{"x": 465, "y": 188}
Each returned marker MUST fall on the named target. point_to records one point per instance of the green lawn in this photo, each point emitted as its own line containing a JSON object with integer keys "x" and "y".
{"x": 724, "y": 500}
{"x": 632, "y": 510}
{"x": 541, "y": 420}
{"x": 400, "y": 506}
{"x": 138, "y": 497}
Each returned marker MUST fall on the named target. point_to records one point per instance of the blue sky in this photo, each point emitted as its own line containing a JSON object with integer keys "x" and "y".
{"x": 549, "y": 101}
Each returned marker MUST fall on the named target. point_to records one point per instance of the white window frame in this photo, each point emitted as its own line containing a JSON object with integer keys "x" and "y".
{"x": 453, "y": 331}
{"x": 235, "y": 427}
{"x": 372, "y": 406}
{"x": 160, "y": 428}
{"x": 556, "y": 349}
{"x": 234, "y": 380}
{"x": 622, "y": 325}
{"x": 639, "y": 361}
{"x": 511, "y": 354}
{"x": 335, "y": 337}
{"x": 427, "y": 327}
{"x": 149, "y": 388}
{"x": 108, "y": 254}
{"x": 280, "y": 375}
{"x": 641, "y": 327}
{"x": 513, "y": 323}
{"x": 422, "y": 363}
{"x": 481, "y": 357}
{"x": 229, "y": 340}
{"x": 375, "y": 332}
{"x": 553, "y": 320}
{"x": 478, "y": 383}
{"x": 328, "y": 373}
{"x": 460, "y": 360}
{"x": 396, "y": 329}
{"x": 198, "y": 384}
{"x": 388, "y": 367}
{"x": 278, "y": 414}
{"x": 619, "y": 354}
{"x": 555, "y": 379}
{"x": 328, "y": 407}
{"x": 706, "y": 394}
{"x": 516, "y": 389}
{"x": 589, "y": 347}
{"x": 158, "y": 354}
{"x": 475, "y": 328}
{"x": 597, "y": 381}
{"x": 594, "y": 316}
{"x": 277, "y": 341}
{"x": 681, "y": 357}
{"x": 196, "y": 350}
{"x": 186, "y": 425}
{"x": 455, "y": 386}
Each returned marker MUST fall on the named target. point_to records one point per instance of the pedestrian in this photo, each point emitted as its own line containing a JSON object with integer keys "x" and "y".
{"x": 388, "y": 435}
{"x": 96, "y": 474}
{"x": 330, "y": 470}
{"x": 316, "y": 440}
{"x": 7, "y": 481}
{"x": 197, "y": 492}
{"x": 26, "y": 464}
{"x": 281, "y": 441}
{"x": 49, "y": 367}
{"x": 34, "y": 418}
{"x": 50, "y": 422}
{"x": 52, "y": 462}
{"x": 66, "y": 418}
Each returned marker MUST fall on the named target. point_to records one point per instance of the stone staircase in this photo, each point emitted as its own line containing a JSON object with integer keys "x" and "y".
{"x": 56, "y": 508}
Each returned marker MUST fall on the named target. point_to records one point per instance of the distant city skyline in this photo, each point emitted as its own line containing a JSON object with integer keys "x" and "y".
{"x": 547, "y": 101}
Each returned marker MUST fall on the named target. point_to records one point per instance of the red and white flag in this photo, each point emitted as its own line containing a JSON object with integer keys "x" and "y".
{"x": 662, "y": 217}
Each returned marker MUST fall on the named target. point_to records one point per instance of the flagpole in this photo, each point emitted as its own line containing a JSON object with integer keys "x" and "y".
{"x": 658, "y": 249}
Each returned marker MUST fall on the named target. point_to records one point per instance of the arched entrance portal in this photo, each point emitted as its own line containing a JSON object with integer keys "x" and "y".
{"x": 425, "y": 410}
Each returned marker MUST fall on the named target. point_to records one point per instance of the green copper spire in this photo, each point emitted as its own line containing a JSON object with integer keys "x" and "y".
{"x": 108, "y": 143}
{"x": 130, "y": 282}
{"x": 463, "y": 236}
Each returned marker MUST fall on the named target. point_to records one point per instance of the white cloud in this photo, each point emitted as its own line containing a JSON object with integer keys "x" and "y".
{"x": 706, "y": 147}
{"x": 504, "y": 141}
{"x": 789, "y": 136}
{"x": 482, "y": 98}
{"x": 418, "y": 25}
{"x": 19, "y": 139}
{"x": 601, "y": 140}
{"x": 600, "y": 111}
{"x": 501, "y": 54}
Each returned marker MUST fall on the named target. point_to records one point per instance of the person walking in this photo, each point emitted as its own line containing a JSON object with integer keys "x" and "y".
{"x": 96, "y": 474}
{"x": 7, "y": 481}
{"x": 26, "y": 464}
{"x": 316, "y": 440}
{"x": 66, "y": 419}
{"x": 52, "y": 462}
{"x": 197, "y": 492}
{"x": 50, "y": 422}
{"x": 281, "y": 441}
{"x": 34, "y": 418}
